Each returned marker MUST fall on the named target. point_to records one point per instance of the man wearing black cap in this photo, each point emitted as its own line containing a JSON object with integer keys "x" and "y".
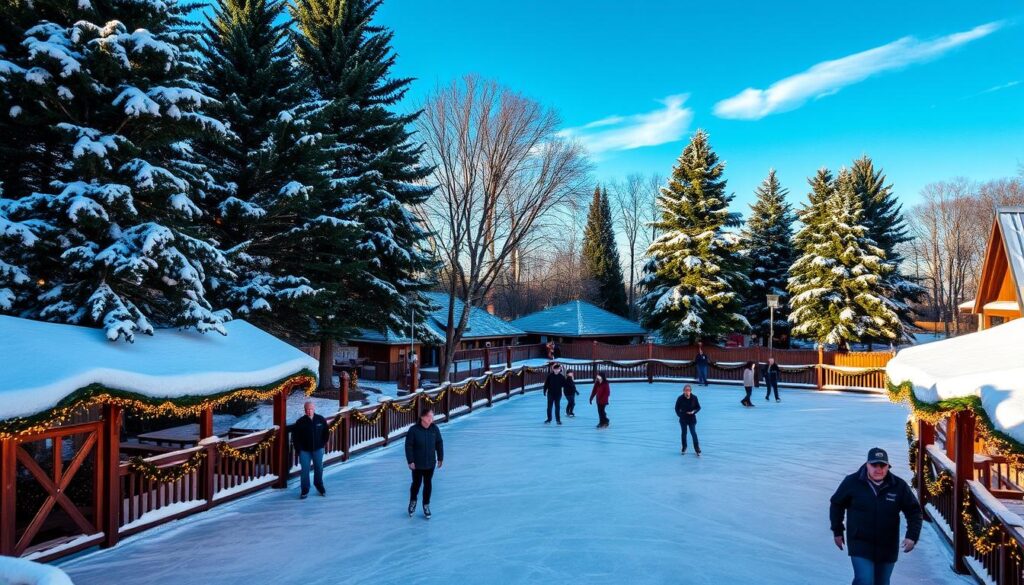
{"x": 872, "y": 499}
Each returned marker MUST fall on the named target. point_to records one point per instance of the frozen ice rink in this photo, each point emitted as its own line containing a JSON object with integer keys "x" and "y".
{"x": 522, "y": 502}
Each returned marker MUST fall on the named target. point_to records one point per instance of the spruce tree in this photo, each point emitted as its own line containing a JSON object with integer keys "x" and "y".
{"x": 375, "y": 176}
{"x": 114, "y": 81}
{"x": 265, "y": 174}
{"x": 601, "y": 255}
{"x": 883, "y": 218}
{"x": 695, "y": 272}
{"x": 836, "y": 284}
{"x": 769, "y": 250}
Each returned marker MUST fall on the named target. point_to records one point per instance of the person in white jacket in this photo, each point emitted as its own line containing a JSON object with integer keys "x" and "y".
{"x": 748, "y": 383}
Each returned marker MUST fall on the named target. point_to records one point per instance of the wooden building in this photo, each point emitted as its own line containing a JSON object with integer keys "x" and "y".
{"x": 579, "y": 321}
{"x": 1001, "y": 285}
{"x": 66, "y": 480}
{"x": 391, "y": 347}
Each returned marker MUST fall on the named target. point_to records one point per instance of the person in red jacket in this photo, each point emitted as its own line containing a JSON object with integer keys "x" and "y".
{"x": 601, "y": 391}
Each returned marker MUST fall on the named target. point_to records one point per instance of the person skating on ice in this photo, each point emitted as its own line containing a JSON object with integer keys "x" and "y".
{"x": 771, "y": 379}
{"x": 602, "y": 391}
{"x": 703, "y": 363}
{"x": 748, "y": 383}
{"x": 570, "y": 395}
{"x": 423, "y": 449}
{"x": 687, "y": 407}
{"x": 553, "y": 386}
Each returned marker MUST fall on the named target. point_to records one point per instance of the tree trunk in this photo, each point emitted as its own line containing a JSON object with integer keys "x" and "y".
{"x": 326, "y": 364}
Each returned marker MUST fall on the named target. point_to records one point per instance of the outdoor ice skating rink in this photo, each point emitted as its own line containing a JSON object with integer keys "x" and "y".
{"x": 519, "y": 501}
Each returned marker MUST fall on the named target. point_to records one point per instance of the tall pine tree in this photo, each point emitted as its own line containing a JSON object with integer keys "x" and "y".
{"x": 116, "y": 245}
{"x": 601, "y": 255}
{"x": 375, "y": 177}
{"x": 769, "y": 250}
{"x": 695, "y": 272}
{"x": 836, "y": 284}
{"x": 883, "y": 218}
{"x": 265, "y": 175}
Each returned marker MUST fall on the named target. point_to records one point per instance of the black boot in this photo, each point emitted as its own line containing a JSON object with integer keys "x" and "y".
{"x": 426, "y": 511}
{"x": 412, "y": 507}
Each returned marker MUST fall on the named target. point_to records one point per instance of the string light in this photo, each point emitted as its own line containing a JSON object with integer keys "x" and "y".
{"x": 167, "y": 474}
{"x": 249, "y": 453}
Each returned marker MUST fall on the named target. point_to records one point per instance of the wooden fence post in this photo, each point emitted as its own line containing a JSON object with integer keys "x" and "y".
{"x": 490, "y": 388}
{"x": 469, "y": 395}
{"x": 8, "y": 490}
{"x": 964, "y": 421}
{"x": 384, "y": 419}
{"x": 925, "y": 437}
{"x": 508, "y": 356}
{"x": 650, "y": 364}
{"x": 112, "y": 482}
{"x": 283, "y": 464}
{"x": 448, "y": 403}
{"x": 487, "y": 359}
{"x": 522, "y": 380}
{"x": 346, "y": 433}
{"x": 343, "y": 392}
{"x": 414, "y": 379}
{"x": 821, "y": 372}
{"x": 206, "y": 423}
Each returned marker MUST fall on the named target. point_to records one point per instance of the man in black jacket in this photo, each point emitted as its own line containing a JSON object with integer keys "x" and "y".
{"x": 872, "y": 499}
{"x": 422, "y": 443}
{"x": 687, "y": 407}
{"x": 553, "y": 386}
{"x": 771, "y": 379}
{"x": 309, "y": 435}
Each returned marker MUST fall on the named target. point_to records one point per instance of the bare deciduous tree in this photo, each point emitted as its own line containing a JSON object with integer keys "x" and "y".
{"x": 501, "y": 169}
{"x": 632, "y": 203}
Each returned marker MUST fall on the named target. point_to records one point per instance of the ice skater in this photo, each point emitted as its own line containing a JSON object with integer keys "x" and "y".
{"x": 872, "y": 499}
{"x": 687, "y": 407}
{"x": 553, "y": 386}
{"x": 602, "y": 391}
{"x": 309, "y": 435}
{"x": 771, "y": 379}
{"x": 423, "y": 449}
{"x": 570, "y": 395}
{"x": 703, "y": 364}
{"x": 748, "y": 383}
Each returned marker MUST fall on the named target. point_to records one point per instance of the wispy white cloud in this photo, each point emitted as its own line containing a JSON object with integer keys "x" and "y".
{"x": 999, "y": 87}
{"x": 665, "y": 124}
{"x": 828, "y": 77}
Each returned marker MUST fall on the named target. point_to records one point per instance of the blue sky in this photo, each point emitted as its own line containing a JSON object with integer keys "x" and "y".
{"x": 931, "y": 90}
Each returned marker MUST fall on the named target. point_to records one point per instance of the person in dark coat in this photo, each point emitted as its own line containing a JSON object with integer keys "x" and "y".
{"x": 703, "y": 363}
{"x": 423, "y": 449}
{"x": 687, "y": 407}
{"x": 556, "y": 351}
{"x": 570, "y": 395}
{"x": 309, "y": 435}
{"x": 872, "y": 499}
{"x": 553, "y": 386}
{"x": 602, "y": 391}
{"x": 771, "y": 379}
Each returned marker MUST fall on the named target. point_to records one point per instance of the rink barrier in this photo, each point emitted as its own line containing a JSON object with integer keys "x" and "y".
{"x": 169, "y": 486}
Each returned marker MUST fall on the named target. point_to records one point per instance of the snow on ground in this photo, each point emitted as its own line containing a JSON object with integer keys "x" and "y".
{"x": 522, "y": 502}
{"x": 988, "y": 364}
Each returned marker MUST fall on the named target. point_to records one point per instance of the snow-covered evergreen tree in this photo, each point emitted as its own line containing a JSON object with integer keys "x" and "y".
{"x": 114, "y": 81}
{"x": 601, "y": 255}
{"x": 375, "y": 175}
{"x": 836, "y": 285}
{"x": 263, "y": 176}
{"x": 767, "y": 243}
{"x": 695, "y": 271}
{"x": 883, "y": 218}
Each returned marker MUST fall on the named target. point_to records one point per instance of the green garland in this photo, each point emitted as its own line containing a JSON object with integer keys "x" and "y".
{"x": 168, "y": 474}
{"x": 98, "y": 393}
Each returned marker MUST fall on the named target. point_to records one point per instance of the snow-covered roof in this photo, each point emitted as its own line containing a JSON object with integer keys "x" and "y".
{"x": 988, "y": 364}
{"x": 482, "y": 325}
{"x": 578, "y": 319}
{"x": 42, "y": 363}
{"x": 966, "y": 305}
{"x": 1002, "y": 306}
{"x": 1011, "y": 224}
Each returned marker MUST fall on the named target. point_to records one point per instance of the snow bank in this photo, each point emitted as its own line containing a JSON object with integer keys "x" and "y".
{"x": 14, "y": 571}
{"x": 45, "y": 362}
{"x": 988, "y": 364}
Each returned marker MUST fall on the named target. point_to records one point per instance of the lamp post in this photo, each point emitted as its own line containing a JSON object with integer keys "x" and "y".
{"x": 773, "y": 303}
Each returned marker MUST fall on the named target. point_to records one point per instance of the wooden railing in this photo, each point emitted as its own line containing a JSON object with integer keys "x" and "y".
{"x": 999, "y": 546}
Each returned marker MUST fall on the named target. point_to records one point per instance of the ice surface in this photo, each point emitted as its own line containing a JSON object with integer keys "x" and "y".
{"x": 522, "y": 502}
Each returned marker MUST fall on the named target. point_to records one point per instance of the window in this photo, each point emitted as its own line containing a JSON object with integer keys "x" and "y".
{"x": 996, "y": 320}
